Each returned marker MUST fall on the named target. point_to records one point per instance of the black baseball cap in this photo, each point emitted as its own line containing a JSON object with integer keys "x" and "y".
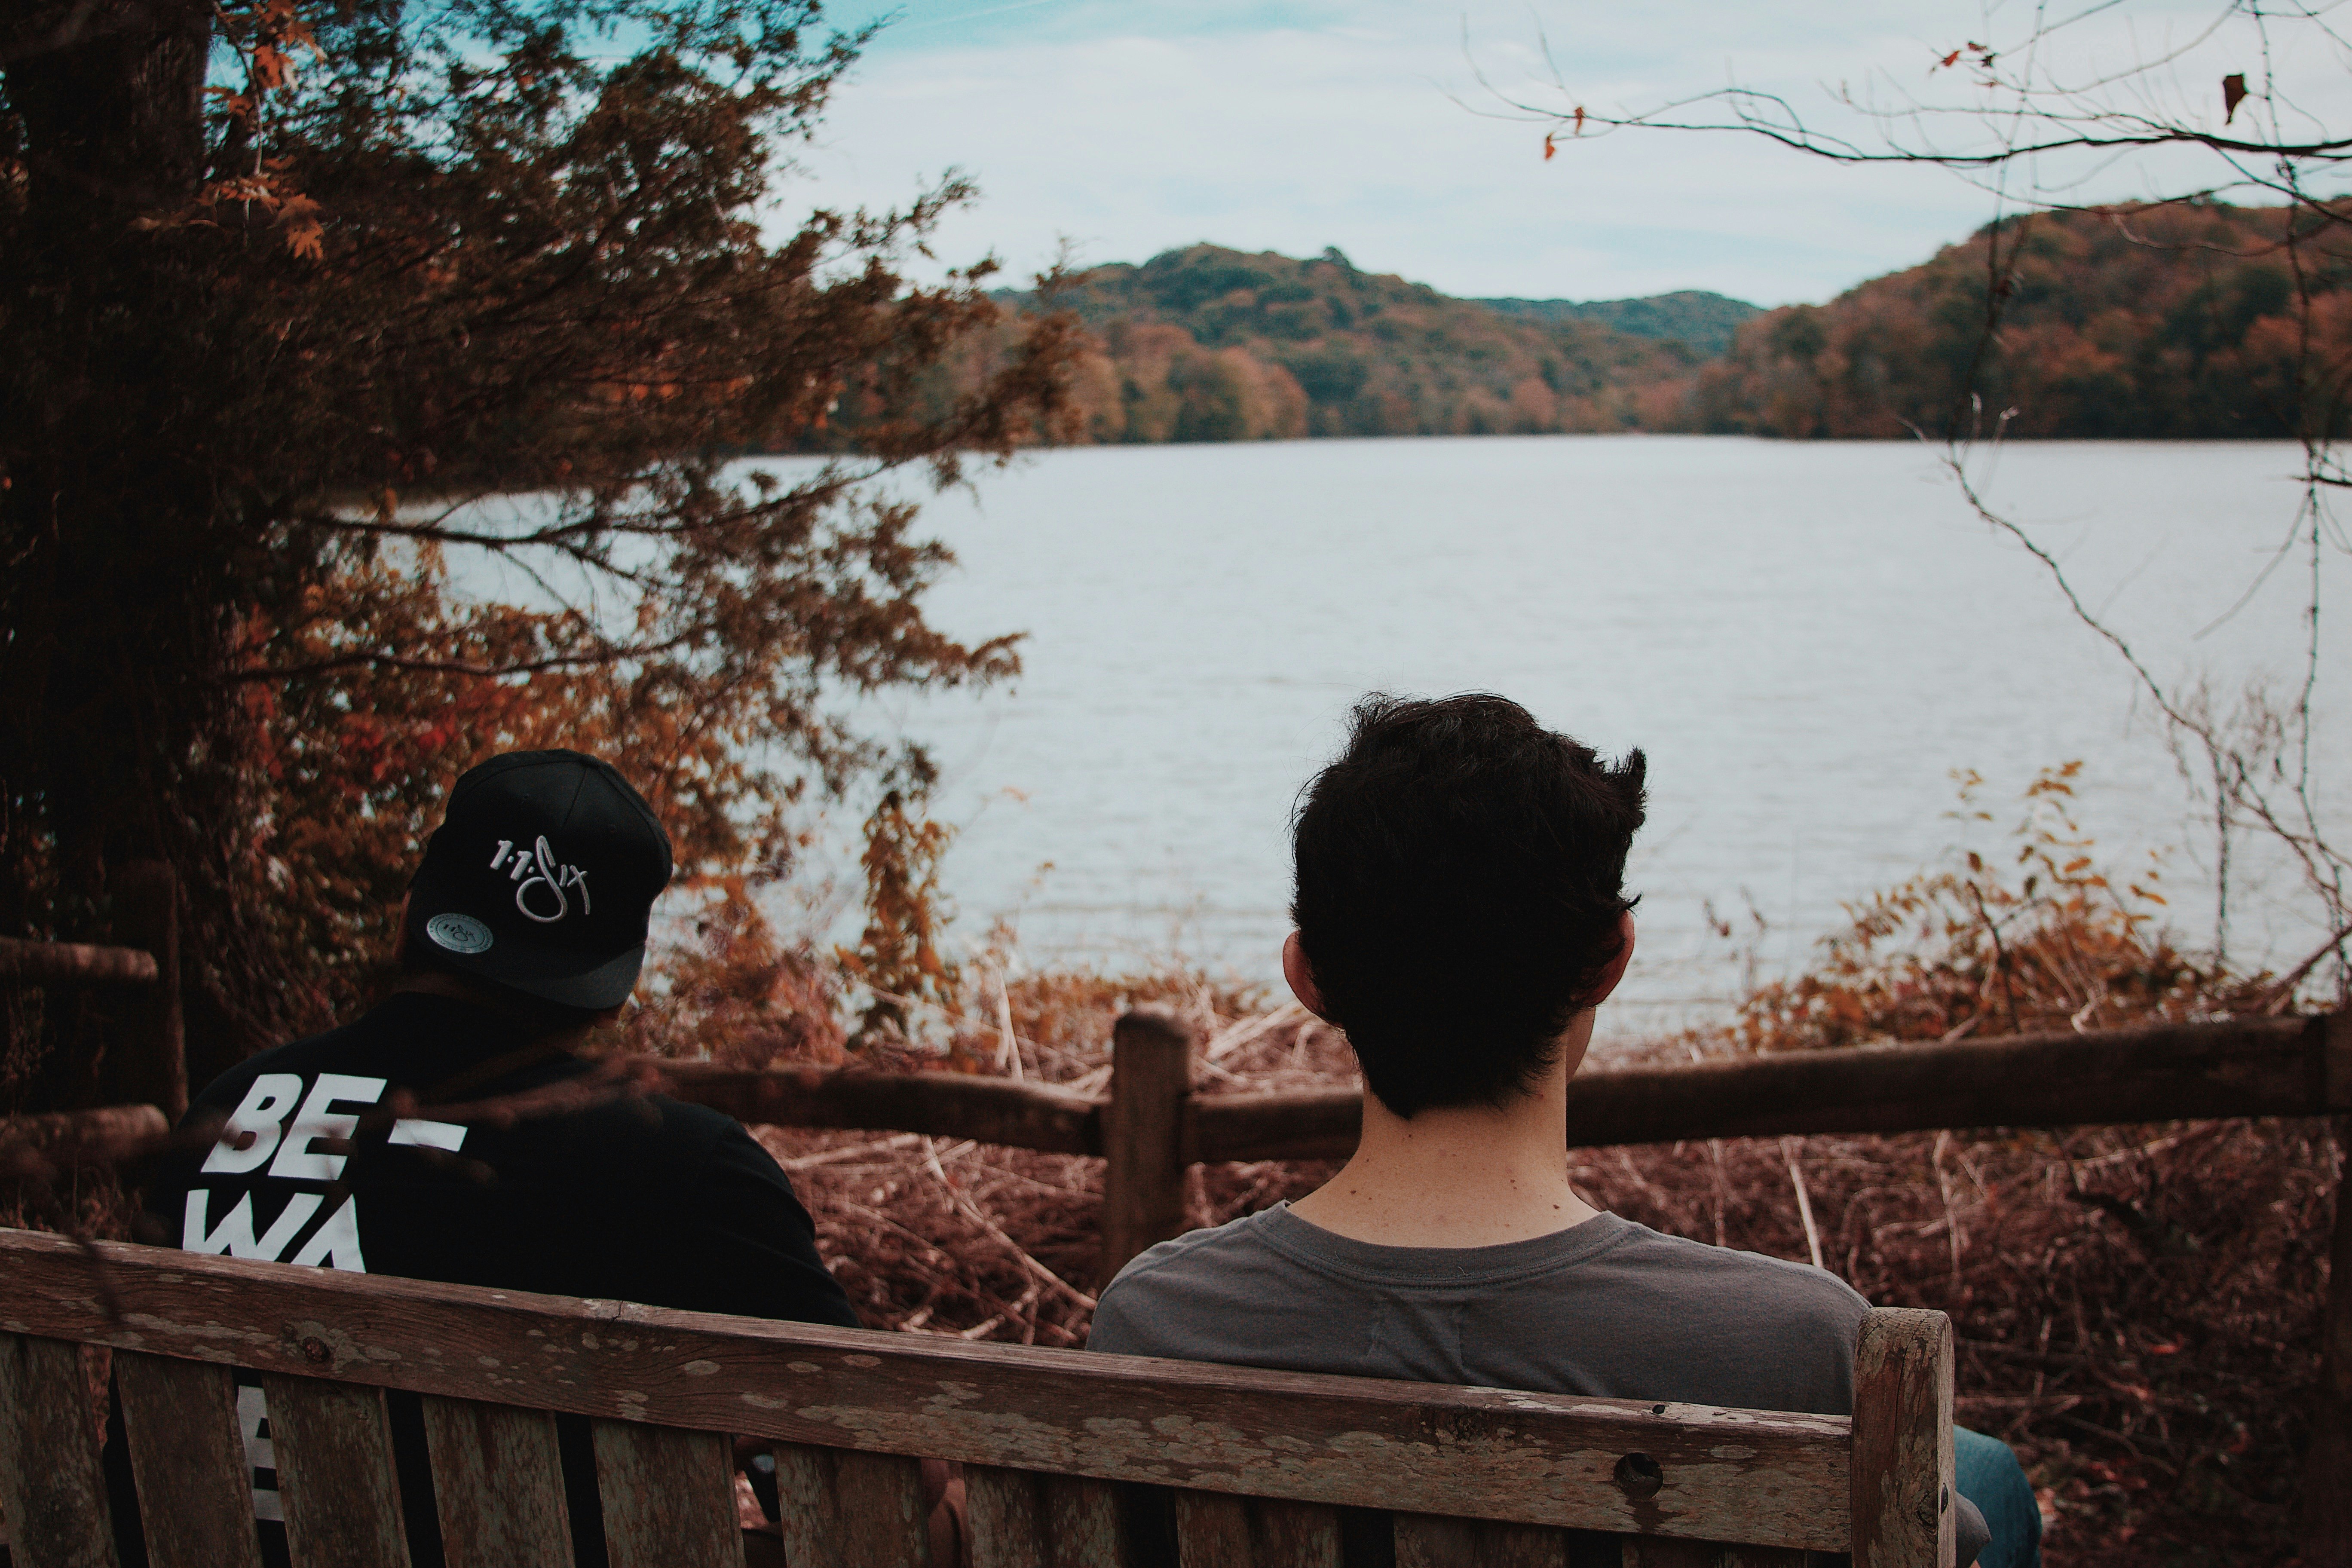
{"x": 541, "y": 877}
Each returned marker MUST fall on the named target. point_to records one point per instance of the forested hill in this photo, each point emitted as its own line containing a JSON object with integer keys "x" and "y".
{"x": 2147, "y": 321}
{"x": 2173, "y": 322}
{"x": 1210, "y": 345}
{"x": 1705, "y": 321}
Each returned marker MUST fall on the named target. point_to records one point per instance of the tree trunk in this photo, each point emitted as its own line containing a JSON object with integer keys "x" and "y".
{"x": 107, "y": 529}
{"x": 110, "y": 96}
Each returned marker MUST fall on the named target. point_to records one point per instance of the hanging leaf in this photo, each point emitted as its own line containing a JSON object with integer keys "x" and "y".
{"x": 2234, "y": 93}
{"x": 1550, "y": 150}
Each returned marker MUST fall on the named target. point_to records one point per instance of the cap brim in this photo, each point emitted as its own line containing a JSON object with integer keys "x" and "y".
{"x": 548, "y": 973}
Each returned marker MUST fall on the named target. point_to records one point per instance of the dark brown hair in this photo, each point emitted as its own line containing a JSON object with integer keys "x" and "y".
{"x": 1460, "y": 884}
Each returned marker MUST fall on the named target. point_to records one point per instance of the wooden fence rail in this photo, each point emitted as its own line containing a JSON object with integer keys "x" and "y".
{"x": 2171, "y": 1072}
{"x": 146, "y": 1055}
{"x": 74, "y": 964}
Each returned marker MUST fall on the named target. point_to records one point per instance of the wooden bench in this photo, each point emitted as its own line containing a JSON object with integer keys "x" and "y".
{"x": 1256, "y": 1466}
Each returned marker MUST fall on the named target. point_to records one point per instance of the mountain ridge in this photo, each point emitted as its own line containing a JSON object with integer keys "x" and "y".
{"x": 2173, "y": 321}
{"x": 1208, "y": 344}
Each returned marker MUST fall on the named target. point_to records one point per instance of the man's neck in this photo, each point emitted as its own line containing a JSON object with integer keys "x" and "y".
{"x": 1460, "y": 1175}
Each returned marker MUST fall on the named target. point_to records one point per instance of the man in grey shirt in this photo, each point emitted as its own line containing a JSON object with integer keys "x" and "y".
{"x": 1460, "y": 915}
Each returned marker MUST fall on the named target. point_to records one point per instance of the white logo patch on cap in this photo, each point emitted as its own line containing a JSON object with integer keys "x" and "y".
{"x": 537, "y": 868}
{"x": 459, "y": 933}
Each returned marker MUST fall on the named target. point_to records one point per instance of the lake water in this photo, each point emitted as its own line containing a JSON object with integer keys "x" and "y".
{"x": 1807, "y": 640}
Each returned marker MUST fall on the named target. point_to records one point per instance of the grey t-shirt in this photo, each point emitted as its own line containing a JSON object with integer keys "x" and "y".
{"x": 1608, "y": 1309}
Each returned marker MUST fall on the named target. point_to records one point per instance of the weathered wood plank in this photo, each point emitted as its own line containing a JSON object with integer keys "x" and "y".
{"x": 1217, "y": 1530}
{"x": 1293, "y": 1534}
{"x": 187, "y": 1462}
{"x": 1902, "y": 1512}
{"x": 1425, "y": 1541}
{"x": 2246, "y": 1066}
{"x": 808, "y": 1513}
{"x": 1521, "y": 1546}
{"x": 1432, "y": 1541}
{"x": 1212, "y": 1531}
{"x": 1641, "y": 1552}
{"x": 1082, "y": 1525}
{"x": 497, "y": 1485}
{"x": 335, "y": 1478}
{"x": 1144, "y": 1133}
{"x": 1008, "y": 1517}
{"x": 883, "y": 1519}
{"x": 52, "y": 1484}
{"x": 842, "y": 1508}
{"x": 950, "y": 1105}
{"x": 1361, "y": 1442}
{"x": 668, "y": 1496}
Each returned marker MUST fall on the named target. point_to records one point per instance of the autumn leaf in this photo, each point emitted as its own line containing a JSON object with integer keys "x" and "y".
{"x": 2233, "y": 92}
{"x": 1549, "y": 150}
{"x": 1948, "y": 61}
{"x": 1579, "y": 119}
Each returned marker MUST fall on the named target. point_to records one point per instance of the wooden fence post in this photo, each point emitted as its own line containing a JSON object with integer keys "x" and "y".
{"x": 1144, "y": 1133}
{"x": 2327, "y": 1468}
{"x": 148, "y": 1062}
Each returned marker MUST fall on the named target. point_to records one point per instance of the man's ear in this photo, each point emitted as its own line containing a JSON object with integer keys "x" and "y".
{"x": 1616, "y": 970}
{"x": 1295, "y": 969}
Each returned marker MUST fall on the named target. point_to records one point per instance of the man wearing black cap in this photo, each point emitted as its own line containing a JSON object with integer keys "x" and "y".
{"x": 451, "y": 1134}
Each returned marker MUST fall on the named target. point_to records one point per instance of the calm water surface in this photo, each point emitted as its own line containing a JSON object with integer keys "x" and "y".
{"x": 1807, "y": 640}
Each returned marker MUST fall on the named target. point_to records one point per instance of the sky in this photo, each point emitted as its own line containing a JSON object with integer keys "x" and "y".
{"x": 1116, "y": 129}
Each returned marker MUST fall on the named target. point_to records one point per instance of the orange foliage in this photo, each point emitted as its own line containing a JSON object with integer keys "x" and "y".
{"x": 2182, "y": 320}
{"x": 2047, "y": 941}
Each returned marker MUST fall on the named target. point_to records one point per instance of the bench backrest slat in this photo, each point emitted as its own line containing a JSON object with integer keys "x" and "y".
{"x": 1254, "y": 1533}
{"x": 498, "y": 1484}
{"x": 841, "y": 1508}
{"x": 52, "y": 1481}
{"x": 335, "y": 1480}
{"x": 668, "y": 1496}
{"x": 1428, "y": 1542}
{"x": 1021, "y": 1519}
{"x": 187, "y": 1457}
{"x": 1662, "y": 1553}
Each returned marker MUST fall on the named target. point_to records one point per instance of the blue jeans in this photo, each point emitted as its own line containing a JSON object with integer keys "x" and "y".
{"x": 1987, "y": 1473}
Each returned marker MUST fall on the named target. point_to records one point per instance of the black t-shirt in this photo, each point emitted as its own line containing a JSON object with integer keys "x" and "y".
{"x": 573, "y": 1192}
{"x": 635, "y": 1198}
